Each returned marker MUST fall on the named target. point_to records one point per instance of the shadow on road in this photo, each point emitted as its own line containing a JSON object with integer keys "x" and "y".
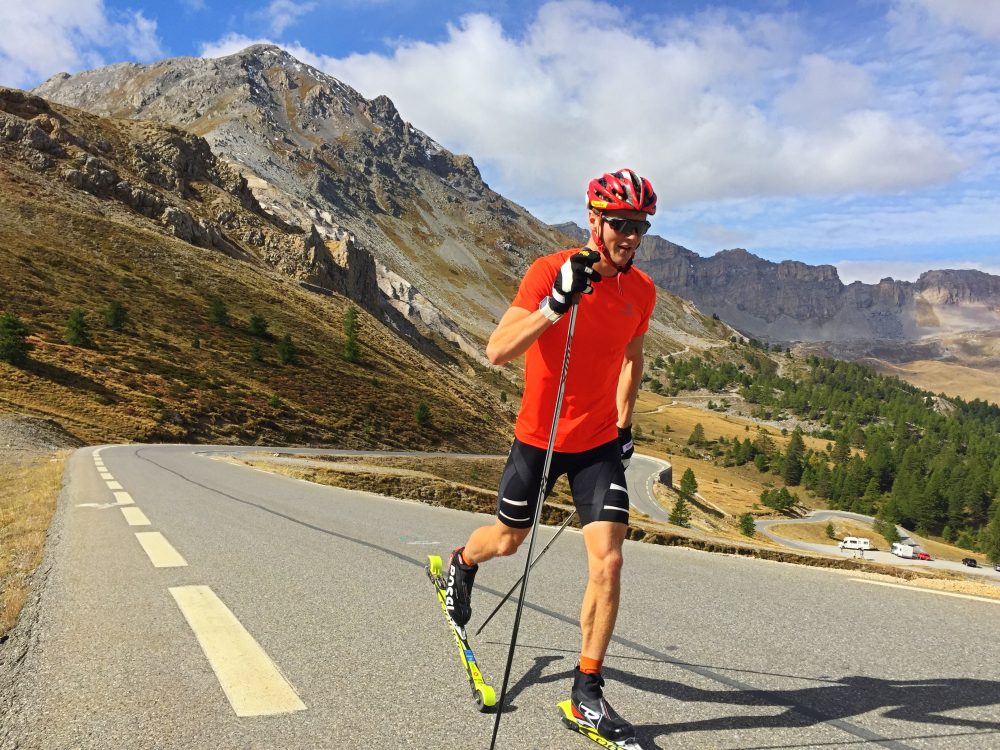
{"x": 921, "y": 701}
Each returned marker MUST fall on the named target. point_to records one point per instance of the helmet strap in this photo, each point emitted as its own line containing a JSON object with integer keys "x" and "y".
{"x": 596, "y": 236}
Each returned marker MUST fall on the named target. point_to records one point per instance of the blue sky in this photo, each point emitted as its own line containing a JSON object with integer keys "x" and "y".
{"x": 865, "y": 134}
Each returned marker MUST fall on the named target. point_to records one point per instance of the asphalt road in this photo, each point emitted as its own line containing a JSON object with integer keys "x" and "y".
{"x": 983, "y": 571}
{"x": 339, "y": 641}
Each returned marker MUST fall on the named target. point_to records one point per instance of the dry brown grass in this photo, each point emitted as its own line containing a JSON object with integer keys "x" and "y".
{"x": 945, "y": 377}
{"x": 28, "y": 494}
{"x": 666, "y": 427}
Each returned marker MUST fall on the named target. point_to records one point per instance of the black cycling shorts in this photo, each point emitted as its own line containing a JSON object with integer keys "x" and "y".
{"x": 596, "y": 477}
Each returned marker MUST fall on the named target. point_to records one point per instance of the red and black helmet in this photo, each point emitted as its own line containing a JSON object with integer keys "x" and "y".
{"x": 621, "y": 190}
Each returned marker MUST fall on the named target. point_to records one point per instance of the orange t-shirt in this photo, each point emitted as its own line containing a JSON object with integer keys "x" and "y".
{"x": 616, "y": 312}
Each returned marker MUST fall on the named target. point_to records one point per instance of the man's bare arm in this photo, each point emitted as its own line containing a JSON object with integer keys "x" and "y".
{"x": 630, "y": 380}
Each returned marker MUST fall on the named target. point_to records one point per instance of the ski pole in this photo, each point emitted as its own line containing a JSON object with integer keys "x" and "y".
{"x": 503, "y": 601}
{"x": 534, "y": 523}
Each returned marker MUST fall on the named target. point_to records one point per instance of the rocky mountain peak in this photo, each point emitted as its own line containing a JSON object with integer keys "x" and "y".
{"x": 951, "y": 287}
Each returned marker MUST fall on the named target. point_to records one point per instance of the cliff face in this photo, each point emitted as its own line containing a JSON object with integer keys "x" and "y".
{"x": 794, "y": 301}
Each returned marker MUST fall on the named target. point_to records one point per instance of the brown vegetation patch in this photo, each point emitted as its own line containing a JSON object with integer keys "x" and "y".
{"x": 28, "y": 493}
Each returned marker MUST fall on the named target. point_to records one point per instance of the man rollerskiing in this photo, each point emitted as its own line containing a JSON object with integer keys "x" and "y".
{"x": 593, "y": 440}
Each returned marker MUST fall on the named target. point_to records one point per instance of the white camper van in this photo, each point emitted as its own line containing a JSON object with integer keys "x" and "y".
{"x": 855, "y": 542}
{"x": 902, "y": 550}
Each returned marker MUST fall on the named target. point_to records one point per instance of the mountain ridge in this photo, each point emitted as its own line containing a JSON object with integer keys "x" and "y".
{"x": 792, "y": 301}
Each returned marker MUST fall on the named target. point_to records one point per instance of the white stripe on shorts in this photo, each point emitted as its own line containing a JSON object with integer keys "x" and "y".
{"x": 618, "y": 487}
{"x": 511, "y": 518}
{"x": 522, "y": 503}
{"x": 615, "y": 507}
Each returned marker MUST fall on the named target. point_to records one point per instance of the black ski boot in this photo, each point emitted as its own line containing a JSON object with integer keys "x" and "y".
{"x": 458, "y": 594}
{"x": 590, "y": 708}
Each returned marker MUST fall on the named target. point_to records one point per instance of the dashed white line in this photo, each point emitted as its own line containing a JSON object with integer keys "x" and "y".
{"x": 114, "y": 486}
{"x": 123, "y": 498}
{"x": 159, "y": 550}
{"x": 251, "y": 680}
{"x": 134, "y": 516}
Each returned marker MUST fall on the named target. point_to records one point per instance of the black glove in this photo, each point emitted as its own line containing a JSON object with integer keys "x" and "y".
{"x": 626, "y": 444}
{"x": 576, "y": 276}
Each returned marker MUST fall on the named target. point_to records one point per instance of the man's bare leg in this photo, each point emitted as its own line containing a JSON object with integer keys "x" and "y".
{"x": 488, "y": 542}
{"x": 599, "y": 612}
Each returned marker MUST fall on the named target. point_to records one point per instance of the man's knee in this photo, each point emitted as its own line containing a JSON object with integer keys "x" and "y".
{"x": 509, "y": 539}
{"x": 606, "y": 568}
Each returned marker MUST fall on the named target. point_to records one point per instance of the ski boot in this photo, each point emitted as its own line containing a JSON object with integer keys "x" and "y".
{"x": 458, "y": 593}
{"x": 590, "y": 710}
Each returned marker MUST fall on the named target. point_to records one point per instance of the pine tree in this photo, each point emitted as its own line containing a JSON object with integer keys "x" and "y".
{"x": 77, "y": 330}
{"x": 697, "y": 435}
{"x": 287, "y": 353}
{"x": 351, "y": 352}
{"x": 115, "y": 316}
{"x": 792, "y": 470}
{"x": 689, "y": 485}
{"x": 258, "y": 325}
{"x": 991, "y": 538}
{"x": 218, "y": 313}
{"x": 14, "y": 344}
{"x": 423, "y": 414}
{"x": 747, "y": 525}
{"x": 679, "y": 514}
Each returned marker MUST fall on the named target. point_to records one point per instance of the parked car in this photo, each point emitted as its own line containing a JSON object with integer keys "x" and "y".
{"x": 997, "y": 567}
{"x": 923, "y": 556}
{"x": 970, "y": 561}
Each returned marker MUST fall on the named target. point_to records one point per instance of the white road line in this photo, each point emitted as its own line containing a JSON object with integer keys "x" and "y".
{"x": 135, "y": 517}
{"x": 106, "y": 476}
{"x": 251, "y": 681}
{"x": 123, "y": 498}
{"x": 114, "y": 486}
{"x": 159, "y": 550}
{"x": 928, "y": 591}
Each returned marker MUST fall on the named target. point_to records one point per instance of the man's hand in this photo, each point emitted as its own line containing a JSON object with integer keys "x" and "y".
{"x": 576, "y": 276}
{"x": 626, "y": 445}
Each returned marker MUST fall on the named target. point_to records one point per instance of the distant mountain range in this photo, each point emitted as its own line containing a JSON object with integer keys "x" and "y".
{"x": 792, "y": 301}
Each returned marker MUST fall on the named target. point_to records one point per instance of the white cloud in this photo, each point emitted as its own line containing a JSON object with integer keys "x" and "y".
{"x": 826, "y": 90}
{"x": 702, "y": 106}
{"x": 45, "y": 37}
{"x": 280, "y": 14}
{"x": 981, "y": 17}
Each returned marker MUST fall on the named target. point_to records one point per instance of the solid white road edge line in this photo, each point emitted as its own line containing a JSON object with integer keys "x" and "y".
{"x": 928, "y": 591}
{"x": 252, "y": 682}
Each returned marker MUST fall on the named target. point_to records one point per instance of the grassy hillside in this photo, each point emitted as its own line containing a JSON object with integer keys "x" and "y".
{"x": 171, "y": 374}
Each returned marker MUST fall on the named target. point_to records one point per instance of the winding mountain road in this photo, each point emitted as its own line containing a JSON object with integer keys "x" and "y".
{"x": 188, "y": 603}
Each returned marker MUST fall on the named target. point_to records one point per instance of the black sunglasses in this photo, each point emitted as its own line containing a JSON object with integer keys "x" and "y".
{"x": 628, "y": 226}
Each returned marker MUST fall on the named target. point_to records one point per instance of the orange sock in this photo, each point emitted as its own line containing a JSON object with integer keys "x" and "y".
{"x": 590, "y": 666}
{"x": 465, "y": 560}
